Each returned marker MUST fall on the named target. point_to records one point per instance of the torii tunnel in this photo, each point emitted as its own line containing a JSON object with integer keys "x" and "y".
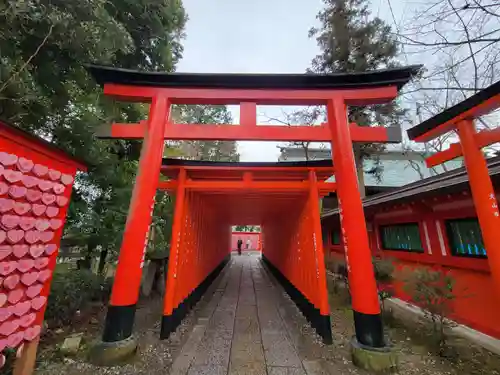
{"x": 282, "y": 198}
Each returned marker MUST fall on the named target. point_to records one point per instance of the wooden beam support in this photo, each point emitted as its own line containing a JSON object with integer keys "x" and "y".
{"x": 454, "y": 151}
{"x": 357, "y": 96}
{"x": 25, "y": 364}
{"x": 482, "y": 139}
{"x": 249, "y": 132}
{"x": 243, "y": 169}
{"x": 482, "y": 109}
{"x": 248, "y": 114}
{"x": 246, "y": 185}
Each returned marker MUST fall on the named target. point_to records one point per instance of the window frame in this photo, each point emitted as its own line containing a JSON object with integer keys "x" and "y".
{"x": 383, "y": 246}
{"x": 338, "y": 231}
{"x": 324, "y": 236}
{"x": 449, "y": 237}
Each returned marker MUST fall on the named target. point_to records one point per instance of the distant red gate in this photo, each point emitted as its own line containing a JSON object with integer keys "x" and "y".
{"x": 251, "y": 238}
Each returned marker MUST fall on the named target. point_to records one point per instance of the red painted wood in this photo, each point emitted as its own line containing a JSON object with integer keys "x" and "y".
{"x": 248, "y": 132}
{"x": 125, "y": 290}
{"x": 203, "y": 224}
{"x": 483, "y": 195}
{"x": 317, "y": 246}
{"x": 478, "y": 111}
{"x": 376, "y": 95}
{"x": 358, "y": 257}
{"x": 483, "y": 139}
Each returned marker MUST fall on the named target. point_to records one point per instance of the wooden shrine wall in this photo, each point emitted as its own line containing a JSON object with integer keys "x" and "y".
{"x": 475, "y": 304}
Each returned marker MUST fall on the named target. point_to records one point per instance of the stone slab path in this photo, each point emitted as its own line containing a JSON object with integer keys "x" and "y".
{"x": 241, "y": 331}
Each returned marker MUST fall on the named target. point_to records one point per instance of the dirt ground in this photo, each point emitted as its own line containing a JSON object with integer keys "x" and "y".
{"x": 413, "y": 344}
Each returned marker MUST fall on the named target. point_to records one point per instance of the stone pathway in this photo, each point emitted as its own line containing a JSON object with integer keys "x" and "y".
{"x": 242, "y": 331}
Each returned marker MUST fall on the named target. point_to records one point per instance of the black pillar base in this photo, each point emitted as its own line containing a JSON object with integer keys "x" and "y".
{"x": 169, "y": 323}
{"x": 118, "y": 344}
{"x": 369, "y": 330}
{"x": 119, "y": 323}
{"x": 321, "y": 323}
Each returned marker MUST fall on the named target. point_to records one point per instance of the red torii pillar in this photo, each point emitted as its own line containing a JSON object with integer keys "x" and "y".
{"x": 323, "y": 323}
{"x": 483, "y": 195}
{"x": 365, "y": 303}
{"x": 175, "y": 247}
{"x": 126, "y": 286}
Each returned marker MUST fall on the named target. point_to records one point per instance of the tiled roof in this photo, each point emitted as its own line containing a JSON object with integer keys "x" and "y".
{"x": 376, "y": 78}
{"x": 448, "y": 180}
{"x": 399, "y": 168}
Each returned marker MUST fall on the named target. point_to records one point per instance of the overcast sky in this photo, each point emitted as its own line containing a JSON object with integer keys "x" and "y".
{"x": 259, "y": 36}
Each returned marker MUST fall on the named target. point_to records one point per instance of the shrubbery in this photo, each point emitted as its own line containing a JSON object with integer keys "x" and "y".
{"x": 383, "y": 270}
{"x": 73, "y": 292}
{"x": 433, "y": 290}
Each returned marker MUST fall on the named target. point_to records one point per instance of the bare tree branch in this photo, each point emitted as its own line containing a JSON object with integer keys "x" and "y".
{"x": 443, "y": 70}
{"x": 306, "y": 117}
{"x": 442, "y": 88}
{"x": 454, "y": 43}
{"x": 482, "y": 7}
{"x": 463, "y": 61}
{"x": 23, "y": 67}
{"x": 469, "y": 43}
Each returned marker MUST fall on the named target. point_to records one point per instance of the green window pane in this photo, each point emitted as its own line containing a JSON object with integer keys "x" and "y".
{"x": 324, "y": 236}
{"x": 465, "y": 238}
{"x": 335, "y": 235}
{"x": 405, "y": 237}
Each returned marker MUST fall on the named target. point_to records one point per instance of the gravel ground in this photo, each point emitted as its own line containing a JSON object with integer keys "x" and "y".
{"x": 336, "y": 358}
{"x": 155, "y": 357}
{"x": 414, "y": 351}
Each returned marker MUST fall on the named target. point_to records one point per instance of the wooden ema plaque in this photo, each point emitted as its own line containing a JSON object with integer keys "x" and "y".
{"x": 35, "y": 188}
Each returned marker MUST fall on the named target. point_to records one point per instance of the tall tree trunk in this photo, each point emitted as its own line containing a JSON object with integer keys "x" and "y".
{"x": 361, "y": 174}
{"x": 361, "y": 182}
{"x": 305, "y": 146}
{"x": 86, "y": 262}
{"x": 102, "y": 261}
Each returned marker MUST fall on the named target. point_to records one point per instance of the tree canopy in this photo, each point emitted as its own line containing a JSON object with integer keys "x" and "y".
{"x": 206, "y": 150}
{"x": 352, "y": 40}
{"x": 45, "y": 89}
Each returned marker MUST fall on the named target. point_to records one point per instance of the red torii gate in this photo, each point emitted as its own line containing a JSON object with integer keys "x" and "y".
{"x": 461, "y": 118}
{"x": 336, "y": 91}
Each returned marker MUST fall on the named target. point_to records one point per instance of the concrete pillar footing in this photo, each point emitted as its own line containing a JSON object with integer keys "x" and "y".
{"x": 376, "y": 360}
{"x": 112, "y": 353}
